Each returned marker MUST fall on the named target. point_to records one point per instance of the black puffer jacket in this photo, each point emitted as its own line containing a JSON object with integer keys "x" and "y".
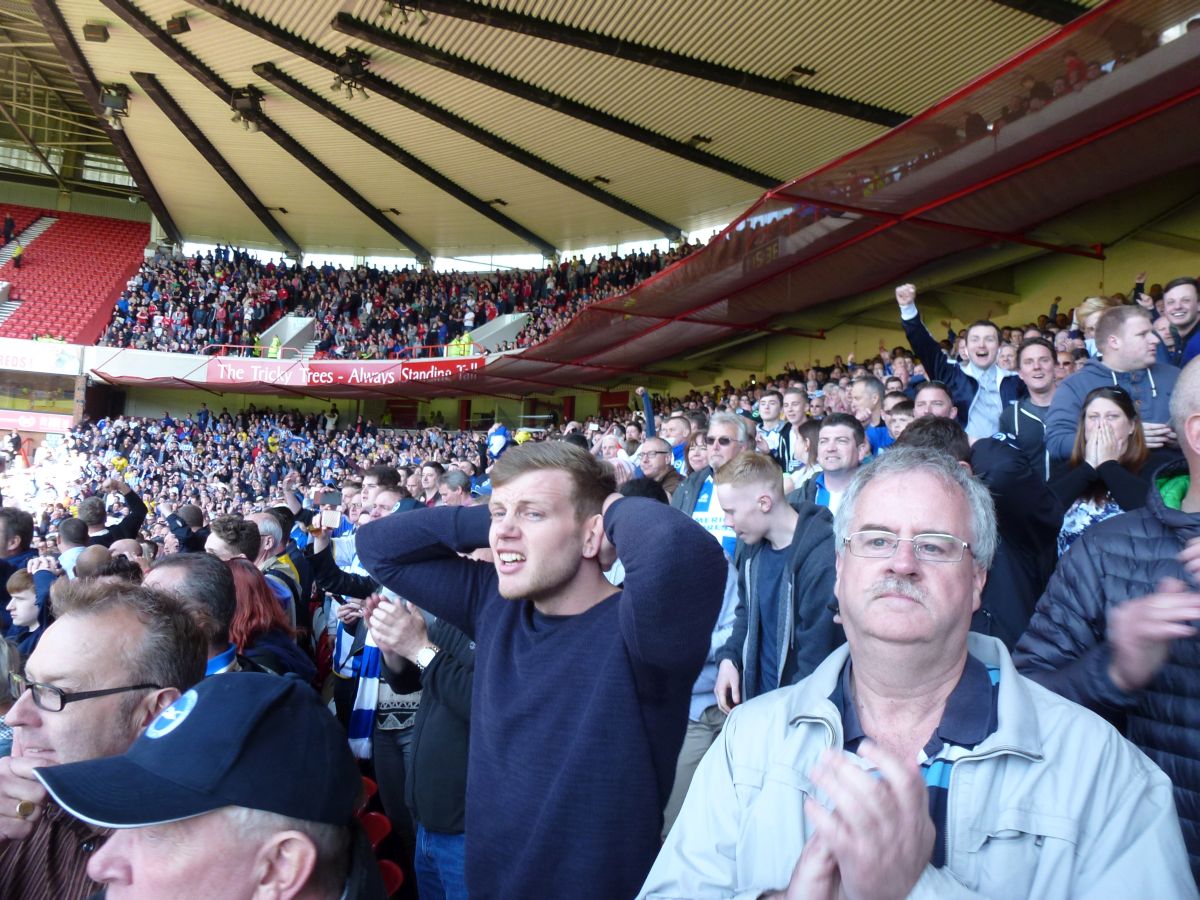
{"x": 1064, "y": 648}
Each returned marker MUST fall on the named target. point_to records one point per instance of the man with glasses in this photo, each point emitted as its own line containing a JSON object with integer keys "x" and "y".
{"x": 916, "y": 761}
{"x": 729, "y": 435}
{"x": 115, "y": 657}
{"x": 656, "y": 464}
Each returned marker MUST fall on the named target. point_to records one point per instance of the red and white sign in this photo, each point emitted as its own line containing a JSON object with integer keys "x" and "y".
{"x": 44, "y": 423}
{"x": 328, "y": 372}
{"x": 51, "y": 357}
{"x": 389, "y": 371}
{"x": 239, "y": 370}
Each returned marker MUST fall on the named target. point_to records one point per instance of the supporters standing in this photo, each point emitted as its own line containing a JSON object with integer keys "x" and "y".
{"x": 866, "y": 401}
{"x": 1129, "y": 346}
{"x": 1107, "y": 462}
{"x": 1181, "y": 309}
{"x": 440, "y": 659}
{"x": 656, "y": 457}
{"x": 784, "y": 625}
{"x": 980, "y": 389}
{"x": 1025, "y": 419}
{"x": 1114, "y": 629}
{"x": 95, "y": 514}
{"x": 841, "y": 448}
{"x": 729, "y": 437}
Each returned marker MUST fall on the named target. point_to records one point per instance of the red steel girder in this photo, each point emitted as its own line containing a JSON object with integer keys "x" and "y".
{"x": 1069, "y": 147}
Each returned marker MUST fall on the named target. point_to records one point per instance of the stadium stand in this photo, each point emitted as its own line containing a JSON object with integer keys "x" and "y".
{"x": 71, "y": 276}
{"x": 23, "y": 217}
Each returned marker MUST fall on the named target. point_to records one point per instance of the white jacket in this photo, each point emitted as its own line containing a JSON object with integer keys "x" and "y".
{"x": 1054, "y": 804}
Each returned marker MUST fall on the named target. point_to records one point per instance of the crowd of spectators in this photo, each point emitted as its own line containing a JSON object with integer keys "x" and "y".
{"x": 456, "y": 594}
{"x": 225, "y": 299}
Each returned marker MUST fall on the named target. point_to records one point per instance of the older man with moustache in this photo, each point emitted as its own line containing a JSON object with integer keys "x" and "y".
{"x": 916, "y": 761}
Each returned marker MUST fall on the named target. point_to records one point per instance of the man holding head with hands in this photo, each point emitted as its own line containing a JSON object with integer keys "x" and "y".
{"x": 582, "y": 689}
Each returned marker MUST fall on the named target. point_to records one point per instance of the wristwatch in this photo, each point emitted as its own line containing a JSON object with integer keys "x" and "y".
{"x": 425, "y": 656}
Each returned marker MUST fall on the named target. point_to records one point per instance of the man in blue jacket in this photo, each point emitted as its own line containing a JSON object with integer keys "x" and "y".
{"x": 581, "y": 688}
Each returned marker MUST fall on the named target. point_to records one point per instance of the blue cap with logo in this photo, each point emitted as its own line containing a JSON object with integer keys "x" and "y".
{"x": 240, "y": 739}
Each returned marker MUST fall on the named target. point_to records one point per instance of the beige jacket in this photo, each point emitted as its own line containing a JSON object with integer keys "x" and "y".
{"x": 1054, "y": 804}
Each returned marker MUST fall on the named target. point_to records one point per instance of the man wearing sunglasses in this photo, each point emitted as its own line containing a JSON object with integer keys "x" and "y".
{"x": 915, "y": 761}
{"x": 115, "y": 657}
{"x": 729, "y": 435}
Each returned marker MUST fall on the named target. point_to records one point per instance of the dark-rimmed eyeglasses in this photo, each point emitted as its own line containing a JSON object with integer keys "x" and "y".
{"x": 51, "y": 699}
{"x": 944, "y": 548}
{"x": 646, "y": 453}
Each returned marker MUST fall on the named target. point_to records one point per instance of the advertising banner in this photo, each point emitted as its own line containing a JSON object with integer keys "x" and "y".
{"x": 45, "y": 423}
{"x": 320, "y": 373}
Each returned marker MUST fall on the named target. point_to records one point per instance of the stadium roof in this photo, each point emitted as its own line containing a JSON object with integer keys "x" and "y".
{"x": 497, "y": 127}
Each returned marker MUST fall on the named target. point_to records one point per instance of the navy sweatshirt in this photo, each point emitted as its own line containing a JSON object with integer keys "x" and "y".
{"x": 577, "y": 720}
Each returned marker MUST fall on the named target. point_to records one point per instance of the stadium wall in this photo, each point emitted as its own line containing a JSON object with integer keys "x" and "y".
{"x": 78, "y": 201}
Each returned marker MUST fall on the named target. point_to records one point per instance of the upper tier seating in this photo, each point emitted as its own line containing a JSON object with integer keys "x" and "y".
{"x": 72, "y": 275}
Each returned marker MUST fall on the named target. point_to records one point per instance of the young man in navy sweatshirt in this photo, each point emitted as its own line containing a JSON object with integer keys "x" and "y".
{"x": 581, "y": 688}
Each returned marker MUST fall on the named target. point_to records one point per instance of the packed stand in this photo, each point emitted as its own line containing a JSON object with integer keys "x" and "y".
{"x": 863, "y": 574}
{"x": 225, "y": 299}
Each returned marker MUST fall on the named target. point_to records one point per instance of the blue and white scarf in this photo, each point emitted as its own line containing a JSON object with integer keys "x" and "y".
{"x": 362, "y": 715}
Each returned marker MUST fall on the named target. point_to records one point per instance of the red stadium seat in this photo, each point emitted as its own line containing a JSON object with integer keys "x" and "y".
{"x": 377, "y": 826}
{"x": 393, "y": 877}
{"x": 370, "y": 789}
{"x": 74, "y": 271}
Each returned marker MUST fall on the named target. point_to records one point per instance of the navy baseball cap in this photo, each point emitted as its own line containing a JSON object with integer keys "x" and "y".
{"x": 240, "y": 739}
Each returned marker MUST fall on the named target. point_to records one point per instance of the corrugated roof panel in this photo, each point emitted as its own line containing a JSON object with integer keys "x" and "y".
{"x": 850, "y": 44}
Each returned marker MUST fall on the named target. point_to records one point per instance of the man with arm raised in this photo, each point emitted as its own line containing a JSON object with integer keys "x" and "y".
{"x": 582, "y": 689}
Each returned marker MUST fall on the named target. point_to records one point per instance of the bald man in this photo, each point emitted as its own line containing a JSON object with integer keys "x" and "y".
{"x": 657, "y": 464}
{"x": 92, "y": 560}
{"x": 131, "y": 550}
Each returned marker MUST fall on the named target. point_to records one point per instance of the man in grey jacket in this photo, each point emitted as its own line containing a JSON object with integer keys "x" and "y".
{"x": 1129, "y": 346}
{"x": 915, "y": 761}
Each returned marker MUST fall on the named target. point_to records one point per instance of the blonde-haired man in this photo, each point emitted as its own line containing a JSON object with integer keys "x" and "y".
{"x": 784, "y": 624}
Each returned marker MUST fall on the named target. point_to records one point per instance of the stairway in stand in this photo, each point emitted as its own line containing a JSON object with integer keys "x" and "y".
{"x": 25, "y": 237}
{"x": 7, "y": 308}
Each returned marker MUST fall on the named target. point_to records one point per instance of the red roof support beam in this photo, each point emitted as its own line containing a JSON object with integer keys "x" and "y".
{"x": 1089, "y": 253}
{"x": 733, "y": 326}
{"x": 1083, "y": 141}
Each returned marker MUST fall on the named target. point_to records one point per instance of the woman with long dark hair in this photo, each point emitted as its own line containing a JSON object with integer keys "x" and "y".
{"x": 1107, "y": 474}
{"x": 696, "y": 455}
{"x": 260, "y": 628}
